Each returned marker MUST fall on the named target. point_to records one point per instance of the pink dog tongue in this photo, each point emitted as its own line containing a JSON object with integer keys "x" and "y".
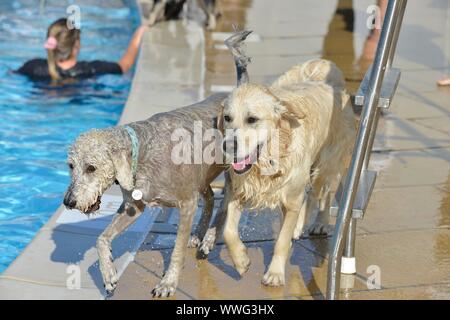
{"x": 241, "y": 164}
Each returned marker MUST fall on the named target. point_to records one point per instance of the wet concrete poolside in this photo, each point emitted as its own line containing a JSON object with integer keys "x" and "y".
{"x": 406, "y": 230}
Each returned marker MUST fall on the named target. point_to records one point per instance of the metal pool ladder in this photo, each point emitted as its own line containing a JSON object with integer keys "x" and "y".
{"x": 375, "y": 92}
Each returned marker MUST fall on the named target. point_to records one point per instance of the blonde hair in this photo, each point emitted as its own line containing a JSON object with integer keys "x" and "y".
{"x": 66, "y": 40}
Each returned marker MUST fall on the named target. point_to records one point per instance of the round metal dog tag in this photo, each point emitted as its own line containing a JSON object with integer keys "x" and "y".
{"x": 137, "y": 194}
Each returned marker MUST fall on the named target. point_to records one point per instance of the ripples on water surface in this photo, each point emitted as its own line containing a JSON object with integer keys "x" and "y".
{"x": 38, "y": 122}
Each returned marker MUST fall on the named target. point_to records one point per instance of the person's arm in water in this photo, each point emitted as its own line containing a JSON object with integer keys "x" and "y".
{"x": 128, "y": 59}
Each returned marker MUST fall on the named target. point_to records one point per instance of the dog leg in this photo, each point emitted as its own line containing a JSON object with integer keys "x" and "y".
{"x": 210, "y": 238}
{"x": 321, "y": 226}
{"x": 275, "y": 274}
{"x": 157, "y": 12}
{"x": 169, "y": 282}
{"x": 126, "y": 215}
{"x": 238, "y": 251}
{"x": 305, "y": 206}
{"x": 205, "y": 219}
{"x": 209, "y": 11}
{"x": 307, "y": 209}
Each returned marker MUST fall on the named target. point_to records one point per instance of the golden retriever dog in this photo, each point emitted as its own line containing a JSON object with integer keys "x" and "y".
{"x": 287, "y": 143}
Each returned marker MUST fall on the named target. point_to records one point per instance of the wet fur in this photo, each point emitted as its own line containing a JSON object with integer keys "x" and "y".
{"x": 310, "y": 108}
{"x": 161, "y": 181}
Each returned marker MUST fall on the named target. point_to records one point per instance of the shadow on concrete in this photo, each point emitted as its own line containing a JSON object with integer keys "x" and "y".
{"x": 79, "y": 248}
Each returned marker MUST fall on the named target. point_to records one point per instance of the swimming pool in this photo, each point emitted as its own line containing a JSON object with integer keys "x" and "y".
{"x": 38, "y": 121}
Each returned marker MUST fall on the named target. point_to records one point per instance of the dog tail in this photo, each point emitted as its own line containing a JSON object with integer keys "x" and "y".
{"x": 313, "y": 70}
{"x": 234, "y": 44}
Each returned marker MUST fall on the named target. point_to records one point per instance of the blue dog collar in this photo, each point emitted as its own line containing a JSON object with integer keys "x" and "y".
{"x": 134, "y": 148}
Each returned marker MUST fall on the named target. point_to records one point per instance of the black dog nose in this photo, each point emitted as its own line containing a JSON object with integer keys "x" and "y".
{"x": 69, "y": 202}
{"x": 72, "y": 204}
{"x": 230, "y": 146}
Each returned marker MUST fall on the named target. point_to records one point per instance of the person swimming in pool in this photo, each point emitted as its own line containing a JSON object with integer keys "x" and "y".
{"x": 63, "y": 46}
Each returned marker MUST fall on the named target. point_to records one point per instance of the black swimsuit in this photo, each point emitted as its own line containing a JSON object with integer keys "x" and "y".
{"x": 37, "y": 69}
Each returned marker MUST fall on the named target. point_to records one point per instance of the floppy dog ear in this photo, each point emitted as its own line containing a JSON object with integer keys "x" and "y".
{"x": 286, "y": 109}
{"x": 289, "y": 111}
{"x": 122, "y": 166}
{"x": 219, "y": 121}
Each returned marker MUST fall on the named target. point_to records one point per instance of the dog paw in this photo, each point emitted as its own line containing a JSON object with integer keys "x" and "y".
{"x": 208, "y": 241}
{"x": 194, "y": 241}
{"x": 152, "y": 19}
{"x": 242, "y": 263}
{"x": 164, "y": 289}
{"x": 320, "y": 230}
{"x": 211, "y": 23}
{"x": 110, "y": 280}
{"x": 297, "y": 234}
{"x": 273, "y": 279}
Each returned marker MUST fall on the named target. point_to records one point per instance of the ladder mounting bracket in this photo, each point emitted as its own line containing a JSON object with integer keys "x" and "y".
{"x": 365, "y": 188}
{"x": 390, "y": 83}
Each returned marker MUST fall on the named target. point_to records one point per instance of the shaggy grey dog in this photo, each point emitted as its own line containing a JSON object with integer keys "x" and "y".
{"x": 139, "y": 157}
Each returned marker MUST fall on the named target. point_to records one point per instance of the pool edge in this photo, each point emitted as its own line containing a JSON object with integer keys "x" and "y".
{"x": 27, "y": 276}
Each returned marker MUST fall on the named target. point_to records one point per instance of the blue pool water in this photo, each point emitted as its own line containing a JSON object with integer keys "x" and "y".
{"x": 38, "y": 122}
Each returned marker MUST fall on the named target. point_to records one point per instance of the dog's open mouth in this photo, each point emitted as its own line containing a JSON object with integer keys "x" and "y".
{"x": 94, "y": 207}
{"x": 243, "y": 166}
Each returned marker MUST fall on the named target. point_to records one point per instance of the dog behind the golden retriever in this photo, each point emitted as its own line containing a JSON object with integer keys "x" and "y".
{"x": 287, "y": 143}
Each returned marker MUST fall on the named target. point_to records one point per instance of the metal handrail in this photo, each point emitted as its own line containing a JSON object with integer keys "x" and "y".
{"x": 343, "y": 235}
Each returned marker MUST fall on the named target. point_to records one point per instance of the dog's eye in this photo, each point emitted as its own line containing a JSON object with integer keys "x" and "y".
{"x": 227, "y": 118}
{"x": 71, "y": 166}
{"x": 251, "y": 120}
{"x": 90, "y": 169}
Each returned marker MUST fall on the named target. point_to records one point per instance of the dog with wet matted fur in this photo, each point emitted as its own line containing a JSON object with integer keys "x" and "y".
{"x": 139, "y": 156}
{"x": 287, "y": 143}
